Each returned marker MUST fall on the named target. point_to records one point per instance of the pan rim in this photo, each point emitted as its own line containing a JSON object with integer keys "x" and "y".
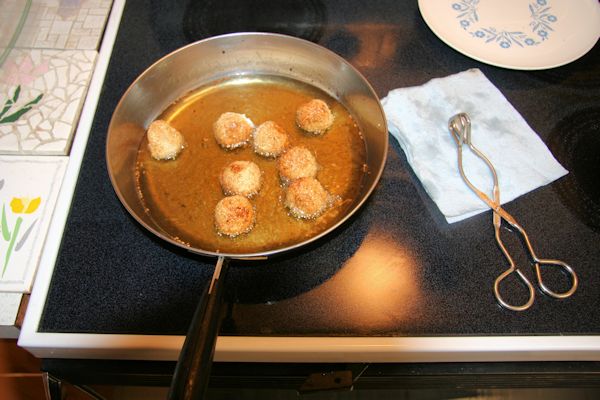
{"x": 271, "y": 251}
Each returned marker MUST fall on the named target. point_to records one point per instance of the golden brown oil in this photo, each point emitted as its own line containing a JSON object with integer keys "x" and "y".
{"x": 181, "y": 195}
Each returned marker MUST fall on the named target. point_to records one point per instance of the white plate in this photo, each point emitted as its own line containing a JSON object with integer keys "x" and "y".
{"x": 517, "y": 34}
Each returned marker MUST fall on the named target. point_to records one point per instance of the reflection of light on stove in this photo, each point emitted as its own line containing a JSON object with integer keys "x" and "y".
{"x": 377, "y": 287}
{"x": 376, "y": 291}
{"x": 378, "y": 43}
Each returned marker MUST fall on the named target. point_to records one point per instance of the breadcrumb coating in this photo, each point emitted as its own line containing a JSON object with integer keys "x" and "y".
{"x": 234, "y": 215}
{"x": 270, "y": 139}
{"x": 297, "y": 162}
{"x": 306, "y": 198}
{"x": 241, "y": 177}
{"x": 314, "y": 117}
{"x": 164, "y": 141}
{"x": 233, "y": 130}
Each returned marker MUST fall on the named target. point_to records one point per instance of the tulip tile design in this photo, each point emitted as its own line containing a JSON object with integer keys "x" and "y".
{"x": 29, "y": 188}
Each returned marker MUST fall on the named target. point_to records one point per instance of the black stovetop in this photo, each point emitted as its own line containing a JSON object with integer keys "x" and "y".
{"x": 396, "y": 268}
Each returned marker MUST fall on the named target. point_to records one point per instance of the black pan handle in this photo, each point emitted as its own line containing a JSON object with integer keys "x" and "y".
{"x": 192, "y": 372}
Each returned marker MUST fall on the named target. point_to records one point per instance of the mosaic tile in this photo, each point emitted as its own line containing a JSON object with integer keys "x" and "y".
{"x": 41, "y": 95}
{"x": 55, "y": 24}
{"x": 9, "y": 21}
{"x": 29, "y": 188}
{"x": 9, "y": 311}
{"x": 9, "y": 307}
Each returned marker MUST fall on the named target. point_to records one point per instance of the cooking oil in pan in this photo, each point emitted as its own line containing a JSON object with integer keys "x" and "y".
{"x": 181, "y": 194}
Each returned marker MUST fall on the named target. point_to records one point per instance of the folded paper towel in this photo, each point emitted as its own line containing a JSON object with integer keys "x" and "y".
{"x": 418, "y": 118}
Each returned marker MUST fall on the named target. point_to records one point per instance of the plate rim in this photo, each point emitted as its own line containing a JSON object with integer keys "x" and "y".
{"x": 531, "y": 64}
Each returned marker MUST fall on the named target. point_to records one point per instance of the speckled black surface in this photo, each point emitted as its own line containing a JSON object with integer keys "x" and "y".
{"x": 396, "y": 268}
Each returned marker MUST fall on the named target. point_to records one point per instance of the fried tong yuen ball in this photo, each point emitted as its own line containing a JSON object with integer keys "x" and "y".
{"x": 234, "y": 215}
{"x": 241, "y": 177}
{"x": 306, "y": 198}
{"x": 297, "y": 162}
{"x": 314, "y": 117}
{"x": 270, "y": 139}
{"x": 164, "y": 141}
{"x": 233, "y": 130}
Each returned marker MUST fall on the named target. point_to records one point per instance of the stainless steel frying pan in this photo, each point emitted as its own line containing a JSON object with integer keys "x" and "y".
{"x": 199, "y": 64}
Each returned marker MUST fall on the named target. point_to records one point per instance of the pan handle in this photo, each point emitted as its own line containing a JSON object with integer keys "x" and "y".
{"x": 192, "y": 372}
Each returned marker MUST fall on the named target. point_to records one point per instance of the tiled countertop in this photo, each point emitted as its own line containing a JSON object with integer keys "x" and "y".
{"x": 48, "y": 54}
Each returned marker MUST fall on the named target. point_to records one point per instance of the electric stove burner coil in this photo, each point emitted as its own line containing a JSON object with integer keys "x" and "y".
{"x": 575, "y": 141}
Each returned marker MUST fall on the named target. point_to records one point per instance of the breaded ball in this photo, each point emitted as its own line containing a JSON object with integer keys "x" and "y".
{"x": 270, "y": 139}
{"x": 241, "y": 177}
{"x": 297, "y": 162}
{"x": 314, "y": 117}
{"x": 306, "y": 198}
{"x": 164, "y": 141}
{"x": 234, "y": 215}
{"x": 233, "y": 130}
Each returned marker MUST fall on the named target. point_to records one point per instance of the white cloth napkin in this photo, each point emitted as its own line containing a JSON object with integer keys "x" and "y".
{"x": 418, "y": 119}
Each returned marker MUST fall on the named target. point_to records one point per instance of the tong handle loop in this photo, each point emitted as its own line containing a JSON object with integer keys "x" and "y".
{"x": 540, "y": 262}
{"x": 527, "y": 283}
{"x": 562, "y": 265}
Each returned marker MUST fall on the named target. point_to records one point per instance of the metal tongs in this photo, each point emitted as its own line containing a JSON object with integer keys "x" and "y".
{"x": 460, "y": 128}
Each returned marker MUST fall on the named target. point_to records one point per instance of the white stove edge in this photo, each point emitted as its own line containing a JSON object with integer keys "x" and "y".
{"x": 257, "y": 349}
{"x": 65, "y": 196}
{"x": 320, "y": 349}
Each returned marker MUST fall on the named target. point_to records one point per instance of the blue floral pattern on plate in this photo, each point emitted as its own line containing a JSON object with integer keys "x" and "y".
{"x": 541, "y": 20}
